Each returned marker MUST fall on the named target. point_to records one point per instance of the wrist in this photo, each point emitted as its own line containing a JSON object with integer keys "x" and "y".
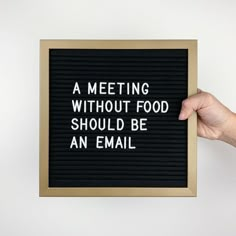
{"x": 228, "y": 133}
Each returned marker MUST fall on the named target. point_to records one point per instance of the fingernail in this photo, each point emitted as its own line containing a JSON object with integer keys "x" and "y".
{"x": 181, "y": 116}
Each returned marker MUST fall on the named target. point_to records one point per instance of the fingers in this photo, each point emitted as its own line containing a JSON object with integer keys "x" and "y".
{"x": 193, "y": 103}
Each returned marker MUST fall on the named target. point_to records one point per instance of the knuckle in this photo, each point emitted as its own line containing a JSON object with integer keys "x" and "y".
{"x": 185, "y": 103}
{"x": 209, "y": 97}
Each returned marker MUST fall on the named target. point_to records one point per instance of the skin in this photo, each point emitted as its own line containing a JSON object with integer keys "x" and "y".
{"x": 215, "y": 121}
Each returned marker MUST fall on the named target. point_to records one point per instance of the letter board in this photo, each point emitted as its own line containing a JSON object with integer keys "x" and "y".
{"x": 109, "y": 118}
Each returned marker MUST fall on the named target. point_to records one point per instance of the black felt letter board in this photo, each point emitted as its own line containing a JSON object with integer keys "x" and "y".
{"x": 109, "y": 118}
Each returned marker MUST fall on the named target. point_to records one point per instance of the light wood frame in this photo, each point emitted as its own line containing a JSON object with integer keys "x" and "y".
{"x": 44, "y": 189}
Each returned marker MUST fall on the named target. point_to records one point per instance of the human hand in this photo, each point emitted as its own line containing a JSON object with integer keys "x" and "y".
{"x": 215, "y": 121}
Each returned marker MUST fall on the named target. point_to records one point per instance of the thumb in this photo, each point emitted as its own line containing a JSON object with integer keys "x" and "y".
{"x": 191, "y": 104}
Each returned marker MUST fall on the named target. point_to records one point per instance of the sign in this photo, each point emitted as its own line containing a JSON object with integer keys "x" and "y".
{"x": 109, "y": 118}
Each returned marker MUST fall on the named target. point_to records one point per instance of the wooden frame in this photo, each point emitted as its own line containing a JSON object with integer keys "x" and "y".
{"x": 45, "y": 45}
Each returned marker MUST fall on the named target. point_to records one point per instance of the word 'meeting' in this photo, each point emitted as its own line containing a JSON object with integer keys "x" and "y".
{"x": 114, "y": 88}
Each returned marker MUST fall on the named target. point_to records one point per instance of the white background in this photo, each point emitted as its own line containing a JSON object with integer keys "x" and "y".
{"x": 22, "y": 24}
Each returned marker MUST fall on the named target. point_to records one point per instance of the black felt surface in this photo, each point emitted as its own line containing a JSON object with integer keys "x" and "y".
{"x": 160, "y": 157}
